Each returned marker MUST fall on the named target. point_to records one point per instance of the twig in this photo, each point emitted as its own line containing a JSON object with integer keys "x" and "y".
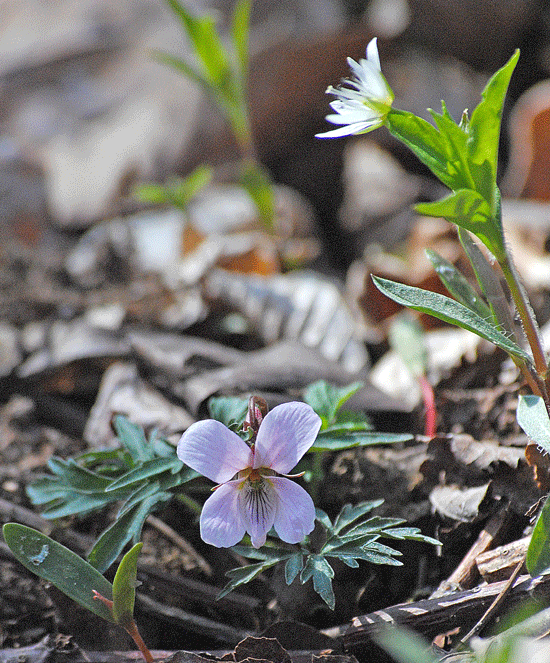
{"x": 493, "y": 608}
{"x": 169, "y": 533}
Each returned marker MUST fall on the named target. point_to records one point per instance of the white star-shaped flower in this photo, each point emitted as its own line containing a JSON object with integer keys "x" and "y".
{"x": 364, "y": 105}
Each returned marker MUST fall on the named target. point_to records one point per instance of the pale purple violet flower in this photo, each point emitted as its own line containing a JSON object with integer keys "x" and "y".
{"x": 364, "y": 107}
{"x": 252, "y": 496}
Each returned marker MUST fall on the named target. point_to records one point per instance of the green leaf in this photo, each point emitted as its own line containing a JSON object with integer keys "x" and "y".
{"x": 149, "y": 469}
{"x": 326, "y": 399}
{"x": 455, "y": 138}
{"x": 457, "y": 284}
{"x": 124, "y": 587}
{"x": 468, "y": 209}
{"x": 242, "y": 575}
{"x": 533, "y": 417}
{"x": 538, "y": 553}
{"x": 484, "y": 128}
{"x": 54, "y": 563}
{"x": 425, "y": 141}
{"x": 230, "y": 410}
{"x": 255, "y": 180}
{"x": 322, "y": 573}
{"x": 293, "y": 567}
{"x": 76, "y": 503}
{"x": 489, "y": 283}
{"x": 184, "y": 68}
{"x": 206, "y": 43}
{"x": 328, "y": 441}
{"x": 448, "y": 310}
{"x": 404, "y": 646}
{"x": 77, "y": 477}
{"x": 177, "y": 191}
{"x": 322, "y": 517}
{"x": 350, "y": 514}
{"x": 128, "y": 526}
{"x": 132, "y": 437}
{"x": 406, "y": 337}
{"x": 240, "y": 32}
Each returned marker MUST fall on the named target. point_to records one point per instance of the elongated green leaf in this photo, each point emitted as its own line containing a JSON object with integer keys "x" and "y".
{"x": 328, "y": 441}
{"x": 484, "y": 127}
{"x": 468, "y": 209}
{"x": 489, "y": 283}
{"x": 455, "y": 138}
{"x": 76, "y": 503}
{"x": 538, "y": 553}
{"x": 450, "y": 311}
{"x": 533, "y": 418}
{"x": 406, "y": 647}
{"x": 242, "y": 575}
{"x": 124, "y": 587}
{"x": 257, "y": 182}
{"x": 457, "y": 284}
{"x": 111, "y": 543}
{"x": 184, "y": 68}
{"x": 240, "y": 31}
{"x": 79, "y": 478}
{"x": 148, "y": 469}
{"x": 60, "y": 566}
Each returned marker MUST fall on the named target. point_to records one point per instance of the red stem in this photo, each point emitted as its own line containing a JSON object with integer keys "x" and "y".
{"x": 430, "y": 426}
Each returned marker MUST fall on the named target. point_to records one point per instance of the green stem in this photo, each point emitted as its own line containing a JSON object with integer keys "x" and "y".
{"x": 526, "y": 314}
{"x": 190, "y": 503}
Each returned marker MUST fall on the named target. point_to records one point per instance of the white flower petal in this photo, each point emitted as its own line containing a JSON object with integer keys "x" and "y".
{"x": 212, "y": 449}
{"x": 258, "y": 504}
{"x": 295, "y": 516}
{"x": 285, "y": 434}
{"x": 350, "y": 130}
{"x": 221, "y": 522}
{"x": 372, "y": 53}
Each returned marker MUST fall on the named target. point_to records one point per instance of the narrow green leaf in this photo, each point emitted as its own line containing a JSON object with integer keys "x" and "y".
{"x": 112, "y": 541}
{"x": 468, "y": 209}
{"x": 448, "y": 310}
{"x": 259, "y": 186}
{"x": 57, "y": 564}
{"x": 406, "y": 647}
{"x": 458, "y": 286}
{"x": 76, "y": 503}
{"x": 533, "y": 417}
{"x": 489, "y": 283}
{"x": 124, "y": 587}
{"x": 240, "y": 31}
{"x": 455, "y": 138}
{"x": 132, "y": 437}
{"x": 79, "y": 478}
{"x": 538, "y": 553}
{"x": 322, "y": 517}
{"x": 293, "y": 567}
{"x": 184, "y": 68}
{"x": 149, "y": 469}
{"x": 484, "y": 127}
{"x": 328, "y": 441}
{"x": 241, "y": 576}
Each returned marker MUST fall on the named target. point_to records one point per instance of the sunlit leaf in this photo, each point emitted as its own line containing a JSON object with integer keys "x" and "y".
{"x": 533, "y": 417}
{"x": 132, "y": 437}
{"x": 293, "y": 567}
{"x": 450, "y": 311}
{"x": 229, "y": 410}
{"x": 321, "y": 571}
{"x": 457, "y": 284}
{"x": 326, "y": 399}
